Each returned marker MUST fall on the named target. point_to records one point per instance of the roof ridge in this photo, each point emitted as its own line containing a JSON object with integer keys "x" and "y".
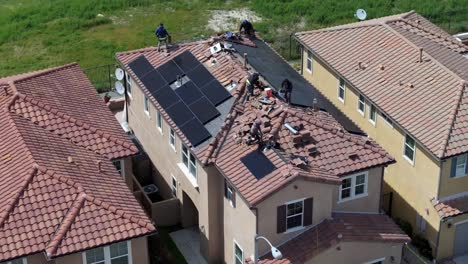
{"x": 453, "y": 117}
{"x": 342, "y": 133}
{"x": 14, "y": 200}
{"x": 63, "y": 228}
{"x": 71, "y": 119}
{"x": 45, "y": 72}
{"x": 151, "y": 48}
{"x": 451, "y": 40}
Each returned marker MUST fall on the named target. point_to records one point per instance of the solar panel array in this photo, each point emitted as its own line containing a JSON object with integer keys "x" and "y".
{"x": 191, "y": 105}
{"x": 258, "y": 164}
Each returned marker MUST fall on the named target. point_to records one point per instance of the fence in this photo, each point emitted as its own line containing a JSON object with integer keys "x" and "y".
{"x": 410, "y": 255}
{"x": 102, "y": 77}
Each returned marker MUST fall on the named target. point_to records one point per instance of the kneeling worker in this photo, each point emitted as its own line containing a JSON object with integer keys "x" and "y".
{"x": 252, "y": 81}
{"x": 247, "y": 27}
{"x": 162, "y": 35}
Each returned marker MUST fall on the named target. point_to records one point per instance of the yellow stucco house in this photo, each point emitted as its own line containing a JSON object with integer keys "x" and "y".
{"x": 404, "y": 81}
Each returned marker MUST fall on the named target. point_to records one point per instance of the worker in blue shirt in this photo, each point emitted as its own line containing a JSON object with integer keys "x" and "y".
{"x": 162, "y": 35}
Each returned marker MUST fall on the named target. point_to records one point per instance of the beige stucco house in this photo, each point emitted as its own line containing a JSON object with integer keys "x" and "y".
{"x": 403, "y": 80}
{"x": 62, "y": 199}
{"x": 304, "y": 182}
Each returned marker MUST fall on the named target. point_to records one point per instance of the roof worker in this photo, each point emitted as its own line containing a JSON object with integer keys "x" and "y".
{"x": 256, "y": 131}
{"x": 247, "y": 27}
{"x": 251, "y": 82}
{"x": 162, "y": 35}
{"x": 286, "y": 88}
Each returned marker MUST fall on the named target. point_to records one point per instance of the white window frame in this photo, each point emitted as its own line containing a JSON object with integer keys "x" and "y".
{"x": 230, "y": 192}
{"x": 23, "y": 260}
{"x": 159, "y": 121}
{"x": 146, "y": 106}
{"x": 174, "y": 188}
{"x": 172, "y": 137}
{"x": 235, "y": 256}
{"x": 363, "y": 102}
{"x": 386, "y": 119}
{"x": 411, "y": 161}
{"x": 341, "y": 86}
{"x": 122, "y": 166}
{"x": 309, "y": 59}
{"x": 457, "y": 175}
{"x": 107, "y": 254}
{"x": 186, "y": 167}
{"x": 375, "y": 261}
{"x": 292, "y": 229}
{"x": 372, "y": 121}
{"x": 353, "y": 195}
{"x": 129, "y": 84}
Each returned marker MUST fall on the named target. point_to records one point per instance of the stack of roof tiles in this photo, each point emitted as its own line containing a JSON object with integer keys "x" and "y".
{"x": 59, "y": 191}
{"x": 426, "y": 93}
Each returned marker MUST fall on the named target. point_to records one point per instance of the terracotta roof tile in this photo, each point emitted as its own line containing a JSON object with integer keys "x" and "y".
{"x": 344, "y": 227}
{"x": 44, "y": 196}
{"x": 451, "y": 207}
{"x": 381, "y": 58}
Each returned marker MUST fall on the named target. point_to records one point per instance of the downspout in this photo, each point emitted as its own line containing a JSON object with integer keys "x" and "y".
{"x": 126, "y": 97}
{"x": 440, "y": 221}
{"x": 302, "y": 59}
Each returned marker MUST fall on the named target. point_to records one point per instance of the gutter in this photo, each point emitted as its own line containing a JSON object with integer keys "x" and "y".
{"x": 365, "y": 97}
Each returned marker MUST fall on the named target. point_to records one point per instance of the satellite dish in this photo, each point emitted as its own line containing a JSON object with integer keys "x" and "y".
{"x": 119, "y": 87}
{"x": 119, "y": 74}
{"x": 361, "y": 14}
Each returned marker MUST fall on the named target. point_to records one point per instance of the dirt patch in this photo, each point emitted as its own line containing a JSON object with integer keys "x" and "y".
{"x": 229, "y": 20}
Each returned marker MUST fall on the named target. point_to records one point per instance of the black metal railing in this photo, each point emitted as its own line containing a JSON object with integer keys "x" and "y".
{"x": 102, "y": 77}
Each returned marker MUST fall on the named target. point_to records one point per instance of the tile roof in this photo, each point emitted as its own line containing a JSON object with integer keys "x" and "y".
{"x": 53, "y": 197}
{"x": 380, "y": 57}
{"x": 344, "y": 227}
{"x": 226, "y": 69}
{"x": 451, "y": 207}
{"x": 329, "y": 150}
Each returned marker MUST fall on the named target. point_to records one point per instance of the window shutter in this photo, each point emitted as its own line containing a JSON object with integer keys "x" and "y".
{"x": 234, "y": 199}
{"x": 225, "y": 189}
{"x": 308, "y": 211}
{"x": 281, "y": 219}
{"x": 466, "y": 165}
{"x": 453, "y": 171}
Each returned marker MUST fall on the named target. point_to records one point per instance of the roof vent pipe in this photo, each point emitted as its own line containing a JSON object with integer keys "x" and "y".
{"x": 315, "y": 105}
{"x": 288, "y": 126}
{"x": 70, "y": 159}
{"x": 99, "y": 165}
{"x": 245, "y": 60}
{"x": 420, "y": 55}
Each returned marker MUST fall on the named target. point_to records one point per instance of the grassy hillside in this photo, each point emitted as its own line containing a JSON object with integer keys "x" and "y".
{"x": 40, "y": 33}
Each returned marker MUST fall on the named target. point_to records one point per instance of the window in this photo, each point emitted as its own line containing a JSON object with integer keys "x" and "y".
{"x": 459, "y": 166}
{"x": 372, "y": 114}
{"x": 230, "y": 193}
{"x": 172, "y": 139}
{"x": 129, "y": 84}
{"x": 118, "y": 253}
{"x": 17, "y": 261}
{"x": 309, "y": 61}
{"x": 238, "y": 254}
{"x": 409, "y": 149}
{"x": 189, "y": 161}
{"x": 354, "y": 186}
{"x": 294, "y": 213}
{"x": 147, "y": 106}
{"x": 341, "y": 90}
{"x": 118, "y": 164}
{"x": 361, "y": 104}
{"x": 387, "y": 119}
{"x": 174, "y": 186}
{"x": 376, "y": 261}
{"x": 159, "y": 121}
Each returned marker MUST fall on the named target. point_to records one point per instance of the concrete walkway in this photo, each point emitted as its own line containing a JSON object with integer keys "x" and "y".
{"x": 188, "y": 243}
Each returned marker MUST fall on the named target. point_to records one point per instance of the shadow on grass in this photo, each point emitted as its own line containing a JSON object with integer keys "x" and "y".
{"x": 163, "y": 249}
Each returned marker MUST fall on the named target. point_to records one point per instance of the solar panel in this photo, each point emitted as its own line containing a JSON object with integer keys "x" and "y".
{"x": 200, "y": 75}
{"x": 186, "y": 61}
{"x": 169, "y": 71}
{"x": 195, "y": 132}
{"x": 189, "y": 93}
{"x": 204, "y": 110}
{"x": 179, "y": 113}
{"x": 140, "y": 66}
{"x": 166, "y": 97}
{"x": 258, "y": 164}
{"x": 215, "y": 92}
{"x": 153, "y": 81}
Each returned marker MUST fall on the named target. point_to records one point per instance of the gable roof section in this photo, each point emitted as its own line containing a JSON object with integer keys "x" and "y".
{"x": 426, "y": 98}
{"x": 352, "y": 228}
{"x": 46, "y": 201}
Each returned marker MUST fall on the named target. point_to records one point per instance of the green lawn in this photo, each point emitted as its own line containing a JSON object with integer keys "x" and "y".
{"x": 36, "y": 34}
